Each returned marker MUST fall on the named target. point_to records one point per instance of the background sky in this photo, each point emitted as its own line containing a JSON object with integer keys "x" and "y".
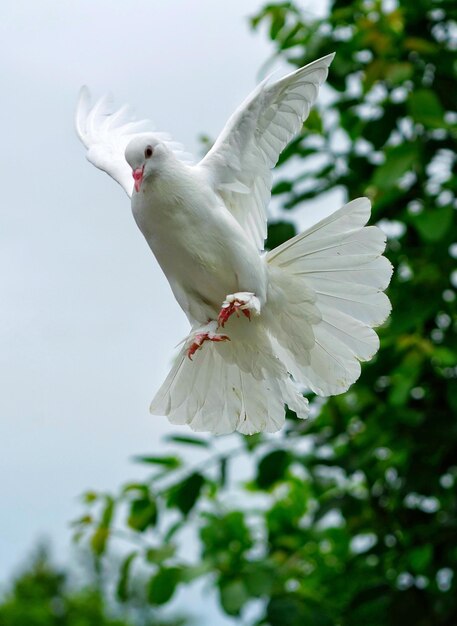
{"x": 87, "y": 321}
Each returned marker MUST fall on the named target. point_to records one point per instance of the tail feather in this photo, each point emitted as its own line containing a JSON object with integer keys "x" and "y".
{"x": 375, "y": 273}
{"x": 327, "y": 246}
{"x": 349, "y": 219}
{"x": 359, "y": 338}
{"x": 339, "y": 262}
{"x": 364, "y": 303}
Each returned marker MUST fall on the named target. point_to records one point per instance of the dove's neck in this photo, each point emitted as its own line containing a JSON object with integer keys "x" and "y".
{"x": 163, "y": 199}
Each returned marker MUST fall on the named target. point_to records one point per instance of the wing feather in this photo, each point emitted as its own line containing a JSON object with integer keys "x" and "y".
{"x": 106, "y": 133}
{"x": 240, "y": 162}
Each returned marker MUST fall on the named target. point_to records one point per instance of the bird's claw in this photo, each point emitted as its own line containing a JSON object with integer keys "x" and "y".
{"x": 228, "y": 309}
{"x": 245, "y": 302}
{"x": 199, "y": 340}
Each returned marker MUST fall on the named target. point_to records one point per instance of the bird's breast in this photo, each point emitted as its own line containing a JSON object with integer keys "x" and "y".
{"x": 189, "y": 244}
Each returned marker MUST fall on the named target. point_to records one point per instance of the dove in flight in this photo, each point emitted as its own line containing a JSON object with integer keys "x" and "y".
{"x": 263, "y": 325}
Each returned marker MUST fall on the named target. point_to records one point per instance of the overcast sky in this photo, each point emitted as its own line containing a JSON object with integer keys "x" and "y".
{"x": 87, "y": 321}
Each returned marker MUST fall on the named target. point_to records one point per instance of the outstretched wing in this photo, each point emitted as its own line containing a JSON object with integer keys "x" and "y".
{"x": 106, "y": 133}
{"x": 240, "y": 162}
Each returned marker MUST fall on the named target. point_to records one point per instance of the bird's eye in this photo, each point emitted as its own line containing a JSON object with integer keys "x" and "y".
{"x": 148, "y": 152}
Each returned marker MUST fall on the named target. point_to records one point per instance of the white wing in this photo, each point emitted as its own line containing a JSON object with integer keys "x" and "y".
{"x": 240, "y": 162}
{"x": 106, "y": 133}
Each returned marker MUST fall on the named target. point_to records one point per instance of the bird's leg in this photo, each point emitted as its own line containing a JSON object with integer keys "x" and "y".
{"x": 205, "y": 333}
{"x": 243, "y": 301}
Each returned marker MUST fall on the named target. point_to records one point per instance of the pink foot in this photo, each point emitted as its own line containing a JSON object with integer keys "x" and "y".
{"x": 199, "y": 340}
{"x": 229, "y": 309}
{"x": 243, "y": 301}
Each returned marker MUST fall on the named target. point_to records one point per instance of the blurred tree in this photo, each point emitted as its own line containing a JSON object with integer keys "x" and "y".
{"x": 350, "y": 517}
{"x": 41, "y": 596}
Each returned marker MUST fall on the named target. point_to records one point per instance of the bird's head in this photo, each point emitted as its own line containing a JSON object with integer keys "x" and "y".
{"x": 146, "y": 155}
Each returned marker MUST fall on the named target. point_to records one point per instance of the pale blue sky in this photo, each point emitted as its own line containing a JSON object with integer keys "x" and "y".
{"x": 87, "y": 321}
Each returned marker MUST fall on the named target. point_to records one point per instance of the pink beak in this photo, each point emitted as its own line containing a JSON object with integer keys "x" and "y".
{"x": 138, "y": 177}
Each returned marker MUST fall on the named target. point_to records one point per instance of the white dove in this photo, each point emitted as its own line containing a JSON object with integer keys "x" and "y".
{"x": 263, "y": 326}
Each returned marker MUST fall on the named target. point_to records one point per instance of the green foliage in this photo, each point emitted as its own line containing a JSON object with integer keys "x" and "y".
{"x": 42, "y": 596}
{"x": 163, "y": 584}
{"x": 185, "y": 494}
{"x": 354, "y": 516}
{"x": 271, "y": 468}
{"x": 279, "y": 232}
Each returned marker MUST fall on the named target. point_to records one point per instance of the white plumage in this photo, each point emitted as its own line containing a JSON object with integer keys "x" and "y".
{"x": 312, "y": 302}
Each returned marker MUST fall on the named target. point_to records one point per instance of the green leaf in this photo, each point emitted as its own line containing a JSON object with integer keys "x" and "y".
{"x": 188, "y": 440}
{"x": 158, "y": 555}
{"x": 398, "y": 73}
{"x": 420, "y": 558}
{"x": 314, "y": 122}
{"x": 399, "y": 160}
{"x": 278, "y": 233}
{"x": 170, "y": 462}
{"x": 99, "y": 540}
{"x": 404, "y": 377}
{"x": 172, "y": 530}
{"x": 421, "y": 46}
{"x": 277, "y": 22}
{"x": 425, "y": 108}
{"x": 84, "y": 520}
{"x": 233, "y": 596}
{"x": 108, "y": 512}
{"x": 223, "y": 471}
{"x": 100, "y": 537}
{"x": 184, "y": 495}
{"x": 225, "y": 538}
{"x": 191, "y": 573}
{"x": 378, "y": 131}
{"x": 124, "y": 573}
{"x": 163, "y": 584}
{"x": 253, "y": 441}
{"x": 434, "y": 224}
{"x": 89, "y": 497}
{"x": 294, "y": 149}
{"x": 143, "y": 514}
{"x": 445, "y": 357}
{"x": 272, "y": 468}
{"x": 287, "y": 610}
{"x": 282, "y": 186}
{"x": 259, "y": 579}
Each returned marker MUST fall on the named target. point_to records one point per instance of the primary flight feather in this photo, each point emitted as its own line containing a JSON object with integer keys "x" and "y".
{"x": 262, "y": 325}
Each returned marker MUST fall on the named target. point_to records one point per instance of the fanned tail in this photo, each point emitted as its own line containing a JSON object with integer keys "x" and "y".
{"x": 325, "y": 297}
